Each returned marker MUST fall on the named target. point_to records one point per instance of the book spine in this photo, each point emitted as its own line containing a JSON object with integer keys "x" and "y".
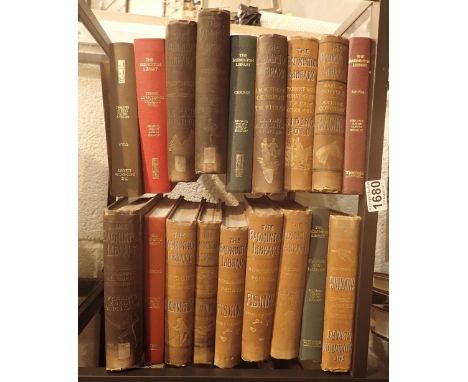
{"x": 181, "y": 39}
{"x": 291, "y": 279}
{"x": 125, "y": 142}
{"x": 270, "y": 114}
{"x": 212, "y": 91}
{"x": 231, "y": 281}
{"x": 330, "y": 106}
{"x": 241, "y": 113}
{"x": 205, "y": 292}
{"x": 155, "y": 263}
{"x": 300, "y": 109}
{"x": 263, "y": 249}
{"x": 150, "y": 73}
{"x": 123, "y": 291}
{"x": 181, "y": 240}
{"x": 357, "y": 100}
{"x": 340, "y": 292}
{"x": 314, "y": 297}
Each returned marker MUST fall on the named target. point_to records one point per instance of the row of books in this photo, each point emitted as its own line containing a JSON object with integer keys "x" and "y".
{"x": 203, "y": 283}
{"x": 273, "y": 114}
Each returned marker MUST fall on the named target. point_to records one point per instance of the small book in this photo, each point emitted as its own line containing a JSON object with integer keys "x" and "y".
{"x": 291, "y": 278}
{"x": 125, "y": 156}
{"x": 263, "y": 252}
{"x": 231, "y": 281}
{"x": 181, "y": 251}
{"x": 154, "y": 277}
{"x": 379, "y": 319}
{"x": 123, "y": 281}
{"x": 340, "y": 292}
{"x": 206, "y": 278}
{"x": 150, "y": 68}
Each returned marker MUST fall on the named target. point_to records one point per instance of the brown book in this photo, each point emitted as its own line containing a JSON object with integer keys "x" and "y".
{"x": 330, "y": 107}
{"x": 263, "y": 251}
{"x": 212, "y": 91}
{"x": 270, "y": 114}
{"x": 231, "y": 281}
{"x": 300, "y": 109}
{"x": 340, "y": 292}
{"x": 126, "y": 177}
{"x": 206, "y": 283}
{"x": 123, "y": 281}
{"x": 291, "y": 280}
{"x": 181, "y": 251}
{"x": 357, "y": 100}
{"x": 181, "y": 40}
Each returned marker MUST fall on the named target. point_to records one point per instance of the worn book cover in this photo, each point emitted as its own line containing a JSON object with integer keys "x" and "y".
{"x": 181, "y": 40}
{"x": 231, "y": 281}
{"x": 123, "y": 281}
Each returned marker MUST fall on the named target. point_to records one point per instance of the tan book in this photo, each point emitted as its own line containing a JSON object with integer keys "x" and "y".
{"x": 231, "y": 281}
{"x": 340, "y": 292}
{"x": 181, "y": 250}
{"x": 291, "y": 280}
{"x": 209, "y": 223}
{"x": 263, "y": 250}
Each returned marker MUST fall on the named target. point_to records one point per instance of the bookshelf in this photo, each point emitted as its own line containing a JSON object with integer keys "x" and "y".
{"x": 375, "y": 13}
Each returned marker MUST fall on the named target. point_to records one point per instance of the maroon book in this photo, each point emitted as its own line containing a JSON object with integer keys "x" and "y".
{"x": 357, "y": 100}
{"x": 150, "y": 72}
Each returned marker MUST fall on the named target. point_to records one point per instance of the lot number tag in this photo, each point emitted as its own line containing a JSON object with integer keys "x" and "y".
{"x": 376, "y": 195}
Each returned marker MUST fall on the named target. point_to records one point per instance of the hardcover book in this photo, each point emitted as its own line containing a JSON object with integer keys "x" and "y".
{"x": 357, "y": 100}
{"x": 291, "y": 279}
{"x": 270, "y": 114}
{"x": 206, "y": 283}
{"x": 231, "y": 281}
{"x": 310, "y": 348}
{"x": 123, "y": 281}
{"x": 263, "y": 251}
{"x": 181, "y": 251}
{"x": 241, "y": 113}
{"x": 150, "y": 68}
{"x": 300, "y": 109}
{"x": 212, "y": 91}
{"x": 124, "y": 136}
{"x": 181, "y": 40}
{"x": 340, "y": 292}
{"x": 154, "y": 277}
{"x": 330, "y": 107}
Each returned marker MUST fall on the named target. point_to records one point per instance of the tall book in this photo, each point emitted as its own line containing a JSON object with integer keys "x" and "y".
{"x": 330, "y": 107}
{"x": 150, "y": 71}
{"x": 340, "y": 292}
{"x": 300, "y": 109}
{"x": 181, "y": 251}
{"x": 241, "y": 113}
{"x": 357, "y": 100}
{"x": 263, "y": 251}
{"x": 181, "y": 40}
{"x": 154, "y": 278}
{"x": 123, "y": 281}
{"x": 270, "y": 114}
{"x": 206, "y": 278}
{"x": 291, "y": 279}
{"x": 310, "y": 348}
{"x": 231, "y": 281}
{"x": 124, "y": 136}
{"x": 212, "y": 91}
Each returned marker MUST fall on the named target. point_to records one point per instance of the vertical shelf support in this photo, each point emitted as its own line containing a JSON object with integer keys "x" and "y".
{"x": 87, "y": 17}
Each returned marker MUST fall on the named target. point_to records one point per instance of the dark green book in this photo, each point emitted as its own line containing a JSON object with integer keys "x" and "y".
{"x": 241, "y": 113}
{"x": 312, "y": 314}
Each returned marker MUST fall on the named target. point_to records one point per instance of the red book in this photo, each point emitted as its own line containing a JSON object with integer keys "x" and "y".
{"x": 150, "y": 72}
{"x": 357, "y": 100}
{"x": 155, "y": 270}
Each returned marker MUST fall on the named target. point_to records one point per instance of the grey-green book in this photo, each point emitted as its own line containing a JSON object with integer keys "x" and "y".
{"x": 241, "y": 113}
{"x": 312, "y": 314}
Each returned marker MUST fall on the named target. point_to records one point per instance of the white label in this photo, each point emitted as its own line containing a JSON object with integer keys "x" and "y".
{"x": 121, "y": 71}
{"x": 376, "y": 195}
